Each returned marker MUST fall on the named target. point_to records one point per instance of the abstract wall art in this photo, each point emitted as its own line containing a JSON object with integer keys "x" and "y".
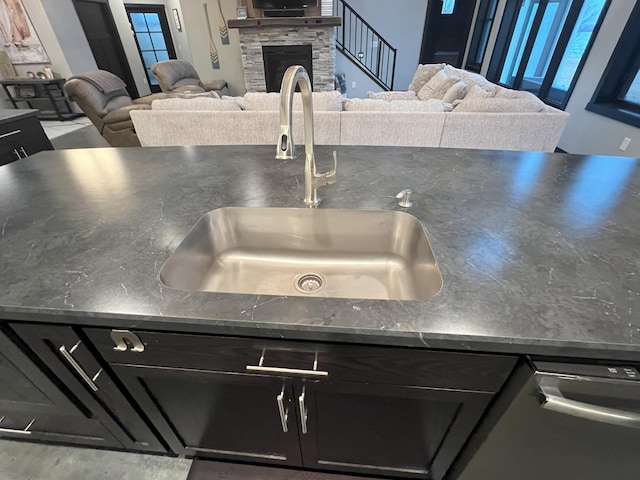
{"x": 19, "y": 38}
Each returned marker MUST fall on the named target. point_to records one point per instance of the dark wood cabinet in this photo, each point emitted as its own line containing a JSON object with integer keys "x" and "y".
{"x": 33, "y": 407}
{"x": 70, "y": 358}
{"x": 378, "y": 411}
{"x": 21, "y": 135}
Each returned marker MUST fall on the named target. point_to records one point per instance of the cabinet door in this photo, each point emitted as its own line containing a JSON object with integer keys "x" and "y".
{"x": 384, "y": 429}
{"x": 33, "y": 407}
{"x": 217, "y": 414}
{"x": 70, "y": 358}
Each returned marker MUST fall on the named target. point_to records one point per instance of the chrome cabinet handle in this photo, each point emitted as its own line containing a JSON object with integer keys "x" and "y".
{"x": 15, "y": 132}
{"x": 17, "y": 154}
{"x": 23, "y": 152}
{"x": 76, "y": 366}
{"x": 303, "y": 410}
{"x": 124, "y": 338}
{"x": 19, "y": 432}
{"x": 284, "y": 414}
{"x": 287, "y": 371}
{"x": 554, "y": 401}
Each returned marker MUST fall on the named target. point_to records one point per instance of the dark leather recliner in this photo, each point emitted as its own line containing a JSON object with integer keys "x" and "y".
{"x": 180, "y": 76}
{"x": 109, "y": 112}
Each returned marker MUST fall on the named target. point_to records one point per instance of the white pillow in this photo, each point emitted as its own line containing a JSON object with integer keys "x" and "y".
{"x": 376, "y": 105}
{"x": 457, "y": 91}
{"x": 408, "y": 95}
{"x": 423, "y": 75}
{"x": 197, "y": 103}
{"x": 476, "y": 92}
{"x": 437, "y": 86}
{"x": 322, "y": 101}
{"x": 500, "y": 105}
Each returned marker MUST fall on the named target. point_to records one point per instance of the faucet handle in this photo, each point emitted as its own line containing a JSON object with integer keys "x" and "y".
{"x": 331, "y": 175}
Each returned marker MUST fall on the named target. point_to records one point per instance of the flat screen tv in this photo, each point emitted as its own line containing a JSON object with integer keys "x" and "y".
{"x": 284, "y": 4}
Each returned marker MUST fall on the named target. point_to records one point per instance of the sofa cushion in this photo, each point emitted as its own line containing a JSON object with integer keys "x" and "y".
{"x": 500, "y": 105}
{"x": 322, "y": 101}
{"x": 197, "y": 103}
{"x": 438, "y": 85}
{"x": 423, "y": 75}
{"x": 457, "y": 91}
{"x": 122, "y": 114}
{"x": 238, "y": 100}
{"x": 408, "y": 95}
{"x": 373, "y": 105}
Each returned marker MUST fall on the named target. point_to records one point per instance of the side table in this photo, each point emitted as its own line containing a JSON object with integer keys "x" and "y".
{"x": 45, "y": 95}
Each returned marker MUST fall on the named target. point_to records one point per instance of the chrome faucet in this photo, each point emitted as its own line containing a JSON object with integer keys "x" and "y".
{"x": 286, "y": 150}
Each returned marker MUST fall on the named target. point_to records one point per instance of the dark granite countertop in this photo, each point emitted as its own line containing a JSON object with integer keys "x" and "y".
{"x": 10, "y": 115}
{"x": 539, "y": 252}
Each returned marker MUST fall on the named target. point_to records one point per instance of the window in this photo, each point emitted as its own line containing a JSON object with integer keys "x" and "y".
{"x": 618, "y": 94}
{"x": 542, "y": 45}
{"x": 481, "y": 32}
{"x": 448, "y": 6}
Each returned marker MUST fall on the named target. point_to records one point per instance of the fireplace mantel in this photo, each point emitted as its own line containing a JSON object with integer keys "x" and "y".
{"x": 285, "y": 22}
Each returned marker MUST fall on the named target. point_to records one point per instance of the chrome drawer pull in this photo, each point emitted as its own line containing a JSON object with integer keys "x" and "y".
{"x": 19, "y": 432}
{"x": 303, "y": 410}
{"x": 23, "y": 152}
{"x": 76, "y": 366}
{"x": 284, "y": 414}
{"x": 15, "y": 132}
{"x": 287, "y": 371}
{"x": 17, "y": 154}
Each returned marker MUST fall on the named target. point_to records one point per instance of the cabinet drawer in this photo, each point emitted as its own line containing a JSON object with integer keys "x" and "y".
{"x": 352, "y": 363}
{"x": 55, "y": 428}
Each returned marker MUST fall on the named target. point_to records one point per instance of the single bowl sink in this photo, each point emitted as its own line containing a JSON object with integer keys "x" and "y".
{"x": 306, "y": 252}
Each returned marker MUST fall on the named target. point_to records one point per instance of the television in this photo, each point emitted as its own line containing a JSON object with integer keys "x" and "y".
{"x": 284, "y": 5}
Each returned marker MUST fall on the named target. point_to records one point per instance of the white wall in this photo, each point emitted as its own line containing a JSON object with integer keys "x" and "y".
{"x": 401, "y": 23}
{"x": 230, "y": 57}
{"x": 587, "y": 132}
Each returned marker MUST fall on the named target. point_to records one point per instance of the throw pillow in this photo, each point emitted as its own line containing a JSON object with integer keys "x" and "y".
{"x": 198, "y": 103}
{"x": 499, "y": 105}
{"x": 423, "y": 75}
{"x": 457, "y": 91}
{"x": 437, "y": 86}
{"x": 408, "y": 95}
{"x": 475, "y": 92}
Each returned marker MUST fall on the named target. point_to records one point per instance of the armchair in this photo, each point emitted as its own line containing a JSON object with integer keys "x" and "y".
{"x": 102, "y": 97}
{"x": 180, "y": 76}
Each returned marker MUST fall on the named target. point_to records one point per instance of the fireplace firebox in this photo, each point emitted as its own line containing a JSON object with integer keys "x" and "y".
{"x": 278, "y": 58}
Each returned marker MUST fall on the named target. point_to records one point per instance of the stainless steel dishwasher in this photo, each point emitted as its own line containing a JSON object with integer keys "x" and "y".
{"x": 569, "y": 421}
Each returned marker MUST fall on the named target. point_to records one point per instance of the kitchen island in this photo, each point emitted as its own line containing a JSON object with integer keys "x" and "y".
{"x": 539, "y": 256}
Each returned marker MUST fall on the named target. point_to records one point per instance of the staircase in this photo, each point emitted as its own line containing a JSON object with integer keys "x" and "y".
{"x": 364, "y": 46}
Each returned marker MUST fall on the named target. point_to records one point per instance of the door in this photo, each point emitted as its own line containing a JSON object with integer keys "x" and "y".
{"x": 33, "y": 407}
{"x": 153, "y": 37}
{"x": 218, "y": 414}
{"x": 69, "y": 356}
{"x": 100, "y": 28}
{"x": 446, "y": 30}
{"x": 384, "y": 429}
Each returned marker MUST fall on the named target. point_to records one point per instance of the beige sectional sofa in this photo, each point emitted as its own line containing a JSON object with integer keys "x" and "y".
{"x": 476, "y": 114}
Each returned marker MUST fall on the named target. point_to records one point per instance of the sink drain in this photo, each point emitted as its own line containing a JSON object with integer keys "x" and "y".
{"x": 309, "y": 283}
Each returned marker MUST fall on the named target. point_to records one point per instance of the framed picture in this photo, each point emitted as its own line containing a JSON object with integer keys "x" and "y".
{"x": 241, "y": 13}
{"x": 176, "y": 19}
{"x": 19, "y": 38}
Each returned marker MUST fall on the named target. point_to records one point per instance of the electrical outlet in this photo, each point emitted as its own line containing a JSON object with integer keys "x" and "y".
{"x": 353, "y": 84}
{"x": 625, "y": 143}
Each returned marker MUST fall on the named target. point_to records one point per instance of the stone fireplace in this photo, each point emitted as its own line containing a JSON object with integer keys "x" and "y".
{"x": 316, "y": 32}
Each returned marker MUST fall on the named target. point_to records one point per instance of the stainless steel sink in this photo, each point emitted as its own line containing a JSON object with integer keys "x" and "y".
{"x": 306, "y": 252}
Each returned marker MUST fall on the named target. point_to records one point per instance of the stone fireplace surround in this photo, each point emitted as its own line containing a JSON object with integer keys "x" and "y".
{"x": 315, "y": 31}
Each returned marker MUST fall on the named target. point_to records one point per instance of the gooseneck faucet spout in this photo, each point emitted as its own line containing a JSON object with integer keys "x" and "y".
{"x": 286, "y": 150}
